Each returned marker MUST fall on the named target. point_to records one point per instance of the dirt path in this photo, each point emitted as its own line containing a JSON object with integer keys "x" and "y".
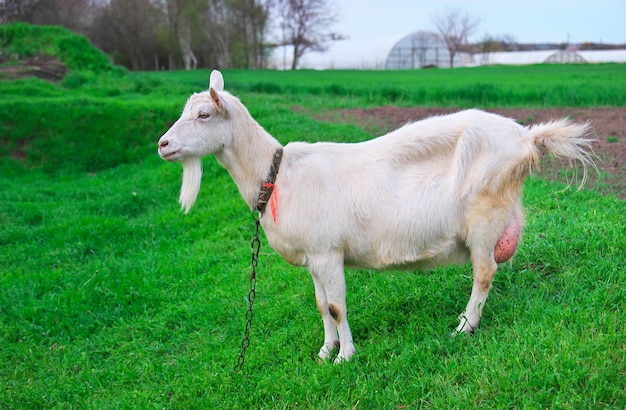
{"x": 41, "y": 66}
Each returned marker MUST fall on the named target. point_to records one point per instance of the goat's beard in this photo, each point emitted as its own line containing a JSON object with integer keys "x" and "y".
{"x": 192, "y": 175}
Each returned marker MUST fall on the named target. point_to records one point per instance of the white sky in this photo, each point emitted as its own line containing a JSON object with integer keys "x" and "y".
{"x": 374, "y": 26}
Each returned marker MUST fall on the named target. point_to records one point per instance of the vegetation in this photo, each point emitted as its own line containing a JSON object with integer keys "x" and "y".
{"x": 111, "y": 298}
{"x": 493, "y": 86}
{"x": 156, "y": 34}
{"x": 19, "y": 41}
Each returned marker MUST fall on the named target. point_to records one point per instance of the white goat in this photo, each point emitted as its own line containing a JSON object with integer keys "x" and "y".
{"x": 439, "y": 191}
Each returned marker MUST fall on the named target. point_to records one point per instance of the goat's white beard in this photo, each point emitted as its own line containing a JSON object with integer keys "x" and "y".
{"x": 192, "y": 175}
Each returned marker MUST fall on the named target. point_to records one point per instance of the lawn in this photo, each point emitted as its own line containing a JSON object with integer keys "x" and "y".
{"x": 110, "y": 297}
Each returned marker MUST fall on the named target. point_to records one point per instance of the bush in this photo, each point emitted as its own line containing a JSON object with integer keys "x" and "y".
{"x": 19, "y": 41}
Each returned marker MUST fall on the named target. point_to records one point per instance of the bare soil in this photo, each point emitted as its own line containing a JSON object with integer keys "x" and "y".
{"x": 608, "y": 129}
{"x": 41, "y": 66}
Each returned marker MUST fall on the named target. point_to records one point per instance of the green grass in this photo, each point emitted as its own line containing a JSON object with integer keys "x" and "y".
{"x": 109, "y": 297}
{"x": 19, "y": 41}
{"x": 143, "y": 104}
{"x": 112, "y": 298}
{"x": 531, "y": 86}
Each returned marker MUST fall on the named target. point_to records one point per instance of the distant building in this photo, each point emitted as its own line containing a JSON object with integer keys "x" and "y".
{"x": 550, "y": 56}
{"x": 424, "y": 49}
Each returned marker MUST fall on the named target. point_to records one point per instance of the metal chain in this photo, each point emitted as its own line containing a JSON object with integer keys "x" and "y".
{"x": 256, "y": 247}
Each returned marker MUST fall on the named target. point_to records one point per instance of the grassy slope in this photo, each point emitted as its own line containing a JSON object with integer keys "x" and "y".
{"x": 20, "y": 40}
{"x": 111, "y": 298}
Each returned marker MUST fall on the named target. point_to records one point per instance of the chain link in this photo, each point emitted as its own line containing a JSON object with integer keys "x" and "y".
{"x": 256, "y": 248}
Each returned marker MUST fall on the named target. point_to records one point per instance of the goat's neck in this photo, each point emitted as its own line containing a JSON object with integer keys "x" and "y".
{"x": 248, "y": 158}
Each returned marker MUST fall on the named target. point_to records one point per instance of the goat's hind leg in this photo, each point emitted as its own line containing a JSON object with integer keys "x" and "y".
{"x": 485, "y": 229}
{"x": 484, "y": 270}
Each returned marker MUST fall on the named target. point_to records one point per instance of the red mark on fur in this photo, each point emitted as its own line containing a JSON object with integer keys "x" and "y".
{"x": 274, "y": 203}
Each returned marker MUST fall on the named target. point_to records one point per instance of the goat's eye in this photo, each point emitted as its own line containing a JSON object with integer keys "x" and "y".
{"x": 204, "y": 115}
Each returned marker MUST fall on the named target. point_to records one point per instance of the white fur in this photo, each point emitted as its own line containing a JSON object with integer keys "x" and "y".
{"x": 192, "y": 175}
{"x": 216, "y": 81}
{"x": 433, "y": 192}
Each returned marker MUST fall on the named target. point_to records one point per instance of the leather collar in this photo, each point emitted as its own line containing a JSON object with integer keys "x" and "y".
{"x": 267, "y": 187}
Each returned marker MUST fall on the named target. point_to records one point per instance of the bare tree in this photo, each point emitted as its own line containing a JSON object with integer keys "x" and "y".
{"x": 219, "y": 33}
{"x": 249, "y": 20}
{"x": 421, "y": 43}
{"x": 182, "y": 27}
{"x": 488, "y": 45}
{"x": 184, "y": 39}
{"x": 75, "y": 15}
{"x": 508, "y": 42}
{"x": 454, "y": 27}
{"x": 306, "y": 26}
{"x": 128, "y": 31}
{"x": 17, "y": 10}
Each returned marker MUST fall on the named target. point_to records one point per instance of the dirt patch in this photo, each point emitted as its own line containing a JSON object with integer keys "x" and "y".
{"x": 40, "y": 66}
{"x": 608, "y": 130}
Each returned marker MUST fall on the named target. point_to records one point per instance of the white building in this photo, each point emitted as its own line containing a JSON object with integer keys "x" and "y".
{"x": 424, "y": 49}
{"x": 550, "y": 56}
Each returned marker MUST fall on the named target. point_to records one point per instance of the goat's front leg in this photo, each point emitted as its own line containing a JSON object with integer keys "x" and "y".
{"x": 330, "y": 291}
{"x": 331, "y": 341}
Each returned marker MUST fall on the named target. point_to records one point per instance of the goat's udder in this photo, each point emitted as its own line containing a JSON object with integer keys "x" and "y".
{"x": 507, "y": 244}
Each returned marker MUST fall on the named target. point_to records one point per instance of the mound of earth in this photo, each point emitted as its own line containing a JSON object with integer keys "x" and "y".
{"x": 41, "y": 66}
{"x": 608, "y": 128}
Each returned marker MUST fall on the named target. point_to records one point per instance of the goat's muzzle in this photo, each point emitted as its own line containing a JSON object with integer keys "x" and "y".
{"x": 166, "y": 152}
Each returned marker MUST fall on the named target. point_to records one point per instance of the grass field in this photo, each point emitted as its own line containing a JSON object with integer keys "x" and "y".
{"x": 112, "y": 298}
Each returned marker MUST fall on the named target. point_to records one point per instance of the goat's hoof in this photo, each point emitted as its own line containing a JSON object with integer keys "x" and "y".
{"x": 326, "y": 351}
{"x": 465, "y": 326}
{"x": 345, "y": 354}
{"x": 461, "y": 332}
{"x": 340, "y": 360}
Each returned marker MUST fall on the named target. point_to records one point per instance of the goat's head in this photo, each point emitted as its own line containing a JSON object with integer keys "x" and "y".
{"x": 202, "y": 129}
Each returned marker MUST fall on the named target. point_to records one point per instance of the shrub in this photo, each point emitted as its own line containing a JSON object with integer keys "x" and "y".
{"x": 19, "y": 41}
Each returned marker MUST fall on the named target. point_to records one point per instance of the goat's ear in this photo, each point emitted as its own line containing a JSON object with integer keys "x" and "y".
{"x": 216, "y": 100}
{"x": 216, "y": 81}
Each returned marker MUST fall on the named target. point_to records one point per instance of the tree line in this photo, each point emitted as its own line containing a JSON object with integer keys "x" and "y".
{"x": 176, "y": 34}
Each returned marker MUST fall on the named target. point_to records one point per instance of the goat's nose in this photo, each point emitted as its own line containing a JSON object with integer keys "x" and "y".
{"x": 163, "y": 143}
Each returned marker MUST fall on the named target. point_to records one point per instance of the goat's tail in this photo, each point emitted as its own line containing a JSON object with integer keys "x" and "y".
{"x": 564, "y": 139}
